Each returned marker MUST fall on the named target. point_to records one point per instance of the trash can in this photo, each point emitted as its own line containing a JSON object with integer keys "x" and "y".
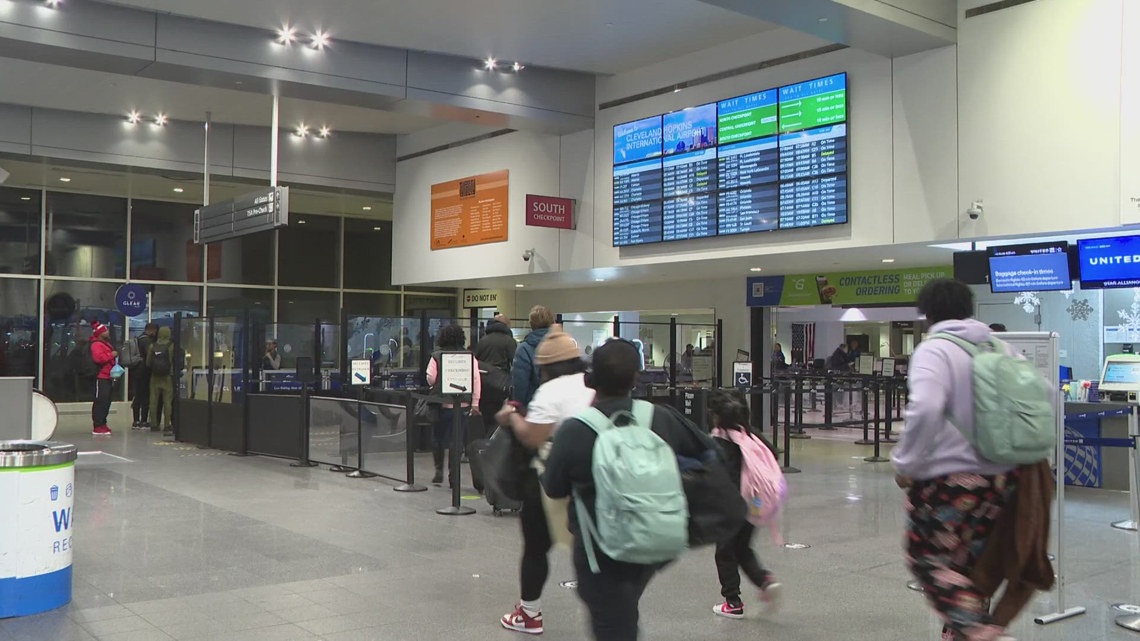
{"x": 37, "y": 492}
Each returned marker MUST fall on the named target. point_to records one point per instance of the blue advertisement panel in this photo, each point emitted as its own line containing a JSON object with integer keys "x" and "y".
{"x": 637, "y": 140}
{"x": 765, "y": 291}
{"x": 1108, "y": 263}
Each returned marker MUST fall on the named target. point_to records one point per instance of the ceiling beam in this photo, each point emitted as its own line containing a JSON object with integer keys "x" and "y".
{"x": 891, "y": 28}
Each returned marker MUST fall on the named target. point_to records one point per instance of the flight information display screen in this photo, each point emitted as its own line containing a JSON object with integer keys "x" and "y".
{"x": 770, "y": 160}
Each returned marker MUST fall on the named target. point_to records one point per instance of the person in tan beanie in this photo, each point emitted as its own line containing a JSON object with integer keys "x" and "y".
{"x": 562, "y": 394}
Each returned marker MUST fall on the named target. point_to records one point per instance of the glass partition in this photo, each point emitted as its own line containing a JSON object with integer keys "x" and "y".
{"x": 71, "y": 307}
{"x": 19, "y": 334}
{"x": 194, "y": 343}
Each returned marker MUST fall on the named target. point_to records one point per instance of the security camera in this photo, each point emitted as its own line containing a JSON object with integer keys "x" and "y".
{"x": 528, "y": 254}
{"x": 976, "y": 210}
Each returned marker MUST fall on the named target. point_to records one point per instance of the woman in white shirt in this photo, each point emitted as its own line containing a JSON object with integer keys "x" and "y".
{"x": 562, "y": 394}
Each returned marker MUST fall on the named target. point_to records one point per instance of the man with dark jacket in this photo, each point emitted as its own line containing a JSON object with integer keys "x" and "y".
{"x": 495, "y": 350}
{"x": 162, "y": 362}
{"x": 612, "y": 595}
{"x": 140, "y": 380}
{"x": 524, "y": 372}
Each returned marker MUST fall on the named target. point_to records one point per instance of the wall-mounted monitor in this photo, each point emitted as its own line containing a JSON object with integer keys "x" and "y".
{"x": 1040, "y": 267}
{"x": 765, "y": 161}
{"x": 1109, "y": 263}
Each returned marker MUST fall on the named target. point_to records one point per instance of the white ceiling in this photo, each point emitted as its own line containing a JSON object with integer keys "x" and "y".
{"x": 598, "y": 36}
{"x": 36, "y": 84}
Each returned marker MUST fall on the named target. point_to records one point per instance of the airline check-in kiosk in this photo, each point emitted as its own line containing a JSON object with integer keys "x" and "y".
{"x": 1119, "y": 388}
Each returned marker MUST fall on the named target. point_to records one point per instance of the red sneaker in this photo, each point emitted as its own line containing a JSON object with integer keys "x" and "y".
{"x": 102, "y": 430}
{"x": 521, "y": 621}
{"x": 729, "y": 611}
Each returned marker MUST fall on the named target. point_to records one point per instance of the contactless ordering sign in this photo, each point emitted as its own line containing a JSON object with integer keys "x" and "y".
{"x": 550, "y": 211}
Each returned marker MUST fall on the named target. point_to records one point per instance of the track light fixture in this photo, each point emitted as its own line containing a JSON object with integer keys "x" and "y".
{"x": 286, "y": 35}
{"x": 320, "y": 40}
{"x": 134, "y": 117}
{"x": 490, "y": 63}
{"x": 161, "y": 120}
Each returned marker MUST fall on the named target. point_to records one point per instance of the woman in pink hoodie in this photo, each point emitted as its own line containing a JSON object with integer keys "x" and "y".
{"x": 954, "y": 495}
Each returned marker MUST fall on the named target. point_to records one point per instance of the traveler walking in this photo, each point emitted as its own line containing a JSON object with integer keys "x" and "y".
{"x": 104, "y": 356}
{"x": 562, "y": 395}
{"x": 611, "y": 588}
{"x": 140, "y": 376}
{"x": 160, "y": 359}
{"x": 524, "y": 372}
{"x": 451, "y": 339}
{"x": 955, "y": 496}
{"x": 495, "y": 350}
{"x": 729, "y": 413}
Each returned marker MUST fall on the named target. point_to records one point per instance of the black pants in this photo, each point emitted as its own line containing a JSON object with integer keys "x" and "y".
{"x": 535, "y": 567}
{"x": 101, "y": 406}
{"x": 140, "y": 404}
{"x": 613, "y": 595}
{"x": 735, "y": 555}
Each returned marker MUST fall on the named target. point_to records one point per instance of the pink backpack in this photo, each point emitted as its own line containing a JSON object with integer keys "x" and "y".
{"x": 762, "y": 482}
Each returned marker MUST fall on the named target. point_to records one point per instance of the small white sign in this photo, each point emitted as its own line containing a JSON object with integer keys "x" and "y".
{"x": 361, "y": 372}
{"x": 866, "y": 364}
{"x": 742, "y": 374}
{"x": 457, "y": 375}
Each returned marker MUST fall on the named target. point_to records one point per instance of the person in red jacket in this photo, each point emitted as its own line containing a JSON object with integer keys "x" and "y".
{"x": 104, "y": 356}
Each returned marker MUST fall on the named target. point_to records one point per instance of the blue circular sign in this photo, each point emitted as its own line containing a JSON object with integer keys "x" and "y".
{"x": 131, "y": 300}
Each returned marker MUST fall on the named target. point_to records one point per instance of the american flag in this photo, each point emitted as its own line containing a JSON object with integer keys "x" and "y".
{"x": 803, "y": 342}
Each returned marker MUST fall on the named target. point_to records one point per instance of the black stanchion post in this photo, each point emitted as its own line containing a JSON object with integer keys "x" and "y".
{"x": 878, "y": 457}
{"x": 412, "y": 435}
{"x": 456, "y": 508}
{"x": 775, "y": 416}
{"x": 866, "y": 440}
{"x": 359, "y": 472}
{"x": 304, "y": 374}
{"x": 891, "y": 391}
{"x": 798, "y": 432}
{"x": 829, "y": 393}
{"x": 788, "y": 469}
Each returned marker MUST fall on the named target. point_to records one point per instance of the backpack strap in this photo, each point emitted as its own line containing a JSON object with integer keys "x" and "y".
{"x": 589, "y": 532}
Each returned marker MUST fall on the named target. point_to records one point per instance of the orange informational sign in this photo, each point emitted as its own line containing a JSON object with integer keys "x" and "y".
{"x": 470, "y": 211}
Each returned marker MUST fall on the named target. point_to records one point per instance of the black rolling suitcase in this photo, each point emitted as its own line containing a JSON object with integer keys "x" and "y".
{"x": 490, "y": 491}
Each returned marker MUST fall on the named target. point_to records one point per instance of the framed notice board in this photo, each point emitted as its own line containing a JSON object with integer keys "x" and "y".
{"x": 470, "y": 211}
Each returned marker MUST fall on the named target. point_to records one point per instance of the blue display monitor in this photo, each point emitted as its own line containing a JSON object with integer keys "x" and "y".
{"x": 1040, "y": 267}
{"x": 637, "y": 140}
{"x": 1109, "y": 263}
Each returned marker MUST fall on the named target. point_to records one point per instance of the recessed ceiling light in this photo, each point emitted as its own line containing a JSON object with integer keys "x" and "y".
{"x": 366, "y": 208}
{"x": 490, "y": 63}
{"x": 161, "y": 120}
{"x": 178, "y": 190}
{"x": 286, "y": 35}
{"x": 320, "y": 40}
{"x": 325, "y": 131}
{"x": 300, "y": 222}
{"x": 518, "y": 66}
{"x": 888, "y": 260}
{"x": 25, "y": 197}
{"x": 377, "y": 229}
{"x": 64, "y": 179}
{"x": 52, "y": 3}
{"x": 519, "y": 285}
{"x": 134, "y": 117}
{"x": 599, "y": 280}
{"x": 756, "y": 269}
{"x": 301, "y": 131}
{"x": 823, "y": 19}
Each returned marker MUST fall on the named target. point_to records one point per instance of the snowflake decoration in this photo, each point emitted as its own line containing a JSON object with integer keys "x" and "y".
{"x": 1028, "y": 301}
{"x": 1130, "y": 318}
{"x": 1079, "y": 309}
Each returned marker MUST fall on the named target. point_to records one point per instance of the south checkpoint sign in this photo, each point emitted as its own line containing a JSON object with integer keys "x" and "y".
{"x": 550, "y": 211}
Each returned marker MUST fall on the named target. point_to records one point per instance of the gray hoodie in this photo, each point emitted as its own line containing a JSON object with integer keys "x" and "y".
{"x": 941, "y": 385}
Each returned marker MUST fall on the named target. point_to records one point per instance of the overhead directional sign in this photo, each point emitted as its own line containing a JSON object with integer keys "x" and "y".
{"x": 259, "y": 211}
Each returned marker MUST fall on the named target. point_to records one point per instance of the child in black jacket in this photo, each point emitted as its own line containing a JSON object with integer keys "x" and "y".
{"x": 729, "y": 411}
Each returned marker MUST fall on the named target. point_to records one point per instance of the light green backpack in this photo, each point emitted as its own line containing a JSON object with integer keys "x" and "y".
{"x": 1015, "y": 422}
{"x": 642, "y": 514}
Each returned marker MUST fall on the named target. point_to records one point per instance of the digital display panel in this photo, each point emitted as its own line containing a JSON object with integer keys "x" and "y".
{"x": 771, "y": 160}
{"x": 1039, "y": 267}
{"x": 1121, "y": 373}
{"x": 1109, "y": 263}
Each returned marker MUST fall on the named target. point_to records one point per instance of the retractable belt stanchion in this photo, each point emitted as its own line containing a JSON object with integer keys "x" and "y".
{"x": 891, "y": 391}
{"x": 305, "y": 376}
{"x": 828, "y": 403}
{"x": 788, "y": 469}
{"x": 458, "y": 415}
{"x": 359, "y": 472}
{"x": 866, "y": 440}
{"x": 1133, "y": 487}
{"x": 410, "y": 447}
{"x": 799, "y": 394}
{"x": 878, "y": 456}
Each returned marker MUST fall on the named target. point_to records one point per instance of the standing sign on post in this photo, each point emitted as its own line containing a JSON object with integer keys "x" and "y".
{"x": 361, "y": 372}
{"x": 457, "y": 374}
{"x": 742, "y": 375}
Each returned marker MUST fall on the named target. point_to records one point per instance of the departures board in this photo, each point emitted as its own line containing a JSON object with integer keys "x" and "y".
{"x": 770, "y": 160}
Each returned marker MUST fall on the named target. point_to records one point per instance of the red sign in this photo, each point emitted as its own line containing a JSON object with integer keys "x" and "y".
{"x": 548, "y": 211}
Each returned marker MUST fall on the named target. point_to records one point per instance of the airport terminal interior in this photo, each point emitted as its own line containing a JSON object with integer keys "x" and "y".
{"x": 301, "y": 199}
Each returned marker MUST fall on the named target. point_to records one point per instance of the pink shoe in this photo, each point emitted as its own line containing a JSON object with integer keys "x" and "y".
{"x": 102, "y": 430}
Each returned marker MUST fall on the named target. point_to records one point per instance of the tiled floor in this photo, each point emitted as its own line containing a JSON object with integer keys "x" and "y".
{"x": 176, "y": 543}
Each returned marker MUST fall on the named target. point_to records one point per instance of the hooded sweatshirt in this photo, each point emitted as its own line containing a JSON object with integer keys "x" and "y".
{"x": 104, "y": 356}
{"x": 497, "y": 347}
{"x": 524, "y": 372}
{"x": 162, "y": 342}
{"x": 941, "y": 385}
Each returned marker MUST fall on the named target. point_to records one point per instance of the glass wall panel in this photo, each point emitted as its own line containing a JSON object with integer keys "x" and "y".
{"x": 310, "y": 252}
{"x": 162, "y": 242}
{"x": 19, "y": 231}
{"x": 87, "y": 236}
{"x": 372, "y": 304}
{"x": 367, "y": 254}
{"x": 71, "y": 307}
{"x": 242, "y": 261}
{"x": 233, "y": 301}
{"x": 437, "y": 305}
{"x": 305, "y": 307}
{"x": 19, "y": 326}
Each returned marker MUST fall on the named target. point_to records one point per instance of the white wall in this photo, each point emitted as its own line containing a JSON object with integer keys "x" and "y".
{"x": 537, "y": 164}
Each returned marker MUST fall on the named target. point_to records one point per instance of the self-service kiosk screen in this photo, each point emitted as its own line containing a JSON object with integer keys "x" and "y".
{"x": 1122, "y": 374}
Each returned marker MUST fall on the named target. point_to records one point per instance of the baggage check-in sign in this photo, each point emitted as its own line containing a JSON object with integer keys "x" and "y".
{"x": 457, "y": 374}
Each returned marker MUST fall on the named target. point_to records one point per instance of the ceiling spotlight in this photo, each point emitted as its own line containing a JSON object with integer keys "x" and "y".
{"x": 599, "y": 280}
{"x": 178, "y": 190}
{"x": 366, "y": 208}
{"x": 320, "y": 40}
{"x": 490, "y": 63}
{"x": 64, "y": 179}
{"x": 301, "y": 131}
{"x": 325, "y": 131}
{"x": 888, "y": 260}
{"x": 300, "y": 222}
{"x": 756, "y": 269}
{"x": 286, "y": 35}
{"x": 518, "y": 66}
{"x": 377, "y": 229}
{"x": 519, "y": 286}
{"x": 25, "y": 197}
{"x": 161, "y": 120}
{"x": 134, "y": 117}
